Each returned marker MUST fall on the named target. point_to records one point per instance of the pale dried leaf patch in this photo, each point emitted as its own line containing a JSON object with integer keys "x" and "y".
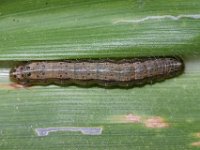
{"x": 156, "y": 122}
{"x": 11, "y": 86}
{"x": 196, "y": 144}
{"x": 198, "y": 134}
{"x": 130, "y": 118}
{"x": 149, "y": 122}
{"x": 133, "y": 118}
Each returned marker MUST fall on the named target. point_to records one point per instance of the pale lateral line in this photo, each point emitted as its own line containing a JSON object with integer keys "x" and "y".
{"x": 83, "y": 130}
{"x": 192, "y": 16}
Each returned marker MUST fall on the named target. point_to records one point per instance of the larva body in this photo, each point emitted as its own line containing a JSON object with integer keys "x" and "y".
{"x": 126, "y": 72}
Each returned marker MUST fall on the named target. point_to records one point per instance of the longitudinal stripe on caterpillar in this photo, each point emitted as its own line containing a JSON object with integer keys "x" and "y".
{"x": 125, "y": 72}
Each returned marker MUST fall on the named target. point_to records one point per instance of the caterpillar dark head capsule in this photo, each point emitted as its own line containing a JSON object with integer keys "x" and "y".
{"x": 125, "y": 72}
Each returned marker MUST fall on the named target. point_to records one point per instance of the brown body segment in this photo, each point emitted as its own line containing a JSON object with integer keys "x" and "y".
{"x": 103, "y": 72}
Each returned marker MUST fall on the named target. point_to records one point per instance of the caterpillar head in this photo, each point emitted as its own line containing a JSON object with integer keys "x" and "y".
{"x": 20, "y": 74}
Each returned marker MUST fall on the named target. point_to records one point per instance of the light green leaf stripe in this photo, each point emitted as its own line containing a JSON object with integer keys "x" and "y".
{"x": 92, "y": 29}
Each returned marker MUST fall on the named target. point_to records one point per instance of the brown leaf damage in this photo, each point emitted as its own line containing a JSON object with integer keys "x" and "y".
{"x": 130, "y": 118}
{"x": 197, "y": 134}
{"x": 133, "y": 118}
{"x": 197, "y": 144}
{"x": 156, "y": 122}
{"x": 11, "y": 86}
{"x": 147, "y": 121}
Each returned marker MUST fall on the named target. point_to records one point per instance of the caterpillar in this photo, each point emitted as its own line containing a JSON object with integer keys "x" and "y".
{"x": 124, "y": 72}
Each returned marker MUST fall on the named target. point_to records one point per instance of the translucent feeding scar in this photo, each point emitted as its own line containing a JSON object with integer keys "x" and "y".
{"x": 125, "y": 72}
{"x": 192, "y": 16}
{"x": 83, "y": 130}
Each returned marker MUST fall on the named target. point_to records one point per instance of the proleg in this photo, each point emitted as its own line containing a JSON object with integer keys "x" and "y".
{"x": 125, "y": 72}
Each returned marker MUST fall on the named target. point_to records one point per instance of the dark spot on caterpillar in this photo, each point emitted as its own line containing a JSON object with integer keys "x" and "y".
{"x": 27, "y": 67}
{"x": 29, "y": 74}
{"x": 126, "y": 72}
{"x": 43, "y": 66}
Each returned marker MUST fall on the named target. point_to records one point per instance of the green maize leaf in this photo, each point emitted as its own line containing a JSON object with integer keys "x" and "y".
{"x": 162, "y": 116}
{"x": 92, "y": 29}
